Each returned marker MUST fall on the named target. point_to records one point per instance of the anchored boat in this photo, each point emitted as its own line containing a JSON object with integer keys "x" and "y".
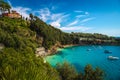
{"x": 113, "y": 58}
{"x": 107, "y": 51}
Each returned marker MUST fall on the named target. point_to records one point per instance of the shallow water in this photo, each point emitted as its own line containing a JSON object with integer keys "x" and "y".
{"x": 80, "y": 56}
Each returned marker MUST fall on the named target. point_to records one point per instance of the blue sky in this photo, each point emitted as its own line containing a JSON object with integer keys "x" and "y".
{"x": 89, "y": 16}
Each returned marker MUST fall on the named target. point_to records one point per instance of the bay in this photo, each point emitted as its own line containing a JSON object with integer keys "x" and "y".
{"x": 80, "y": 56}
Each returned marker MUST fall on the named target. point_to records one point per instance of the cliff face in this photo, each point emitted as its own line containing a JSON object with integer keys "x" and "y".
{"x": 54, "y": 48}
{"x": 41, "y": 51}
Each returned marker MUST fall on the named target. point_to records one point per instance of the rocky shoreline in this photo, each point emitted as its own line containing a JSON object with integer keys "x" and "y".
{"x": 55, "y": 49}
{"x": 41, "y": 51}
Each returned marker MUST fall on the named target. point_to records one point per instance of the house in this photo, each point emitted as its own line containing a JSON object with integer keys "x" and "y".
{"x": 40, "y": 51}
{"x": 13, "y": 14}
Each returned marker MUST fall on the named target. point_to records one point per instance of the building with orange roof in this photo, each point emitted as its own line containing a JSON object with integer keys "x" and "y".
{"x": 13, "y": 14}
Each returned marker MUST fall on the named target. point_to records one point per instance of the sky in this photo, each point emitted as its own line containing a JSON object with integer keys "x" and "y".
{"x": 88, "y": 16}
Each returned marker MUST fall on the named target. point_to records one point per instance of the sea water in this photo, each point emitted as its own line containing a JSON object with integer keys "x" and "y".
{"x": 80, "y": 56}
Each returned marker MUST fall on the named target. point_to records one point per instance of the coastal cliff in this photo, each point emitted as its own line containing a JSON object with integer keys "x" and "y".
{"x": 41, "y": 51}
{"x": 25, "y": 41}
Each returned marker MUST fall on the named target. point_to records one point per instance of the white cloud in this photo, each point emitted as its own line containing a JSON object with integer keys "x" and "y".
{"x": 54, "y": 19}
{"x": 44, "y": 14}
{"x": 73, "y": 23}
{"x": 62, "y": 18}
{"x": 79, "y": 16}
{"x": 56, "y": 24}
{"x": 24, "y": 11}
{"x": 87, "y": 19}
{"x": 86, "y": 13}
{"x": 78, "y": 11}
{"x": 56, "y": 16}
{"x": 75, "y": 28}
{"x": 58, "y": 19}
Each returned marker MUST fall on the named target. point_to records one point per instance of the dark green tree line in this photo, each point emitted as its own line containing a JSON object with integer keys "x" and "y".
{"x": 68, "y": 72}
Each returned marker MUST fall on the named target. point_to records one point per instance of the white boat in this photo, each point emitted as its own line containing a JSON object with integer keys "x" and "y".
{"x": 113, "y": 58}
{"x": 88, "y": 49}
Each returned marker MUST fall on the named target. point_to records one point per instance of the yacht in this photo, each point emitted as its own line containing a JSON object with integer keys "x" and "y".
{"x": 113, "y": 58}
{"x": 88, "y": 49}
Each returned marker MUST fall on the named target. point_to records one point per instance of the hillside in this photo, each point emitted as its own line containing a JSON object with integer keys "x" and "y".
{"x": 53, "y": 35}
{"x": 19, "y": 39}
{"x": 18, "y": 55}
{"x": 34, "y": 33}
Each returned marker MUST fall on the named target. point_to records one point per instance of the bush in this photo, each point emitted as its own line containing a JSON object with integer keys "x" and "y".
{"x": 68, "y": 72}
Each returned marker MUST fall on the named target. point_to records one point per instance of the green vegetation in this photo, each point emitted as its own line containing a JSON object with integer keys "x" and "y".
{"x": 15, "y": 33}
{"x": 52, "y": 35}
{"x": 21, "y": 38}
{"x": 68, "y": 72}
{"x": 24, "y": 65}
{"x": 17, "y": 59}
{"x": 4, "y": 6}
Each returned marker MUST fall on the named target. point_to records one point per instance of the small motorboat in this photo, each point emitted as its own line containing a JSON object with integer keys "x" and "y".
{"x": 107, "y": 51}
{"x": 113, "y": 58}
{"x": 88, "y": 49}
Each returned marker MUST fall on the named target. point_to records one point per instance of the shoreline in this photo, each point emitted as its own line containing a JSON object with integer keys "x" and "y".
{"x": 71, "y": 45}
{"x": 56, "y": 49}
{"x": 66, "y": 46}
{"x": 60, "y": 47}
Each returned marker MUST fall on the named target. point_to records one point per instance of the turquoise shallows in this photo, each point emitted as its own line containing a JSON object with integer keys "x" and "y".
{"x": 80, "y": 56}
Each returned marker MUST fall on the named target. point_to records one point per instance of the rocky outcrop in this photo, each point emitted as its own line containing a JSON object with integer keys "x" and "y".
{"x": 41, "y": 51}
{"x": 54, "y": 48}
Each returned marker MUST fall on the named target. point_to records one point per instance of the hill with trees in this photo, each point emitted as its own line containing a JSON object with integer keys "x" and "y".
{"x": 53, "y": 35}
{"x": 18, "y": 60}
{"x": 19, "y": 39}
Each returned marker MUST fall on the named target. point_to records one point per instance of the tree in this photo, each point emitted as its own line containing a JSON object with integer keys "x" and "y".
{"x": 66, "y": 71}
{"x": 31, "y": 16}
{"x": 92, "y": 74}
{"x": 88, "y": 72}
{"x": 8, "y": 7}
{"x": 98, "y": 74}
{"x": 4, "y": 6}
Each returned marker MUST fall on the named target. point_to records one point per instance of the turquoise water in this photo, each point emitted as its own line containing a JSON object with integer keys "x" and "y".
{"x": 79, "y": 56}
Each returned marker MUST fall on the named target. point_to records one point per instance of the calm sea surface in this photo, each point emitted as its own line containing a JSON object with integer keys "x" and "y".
{"x": 80, "y": 56}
